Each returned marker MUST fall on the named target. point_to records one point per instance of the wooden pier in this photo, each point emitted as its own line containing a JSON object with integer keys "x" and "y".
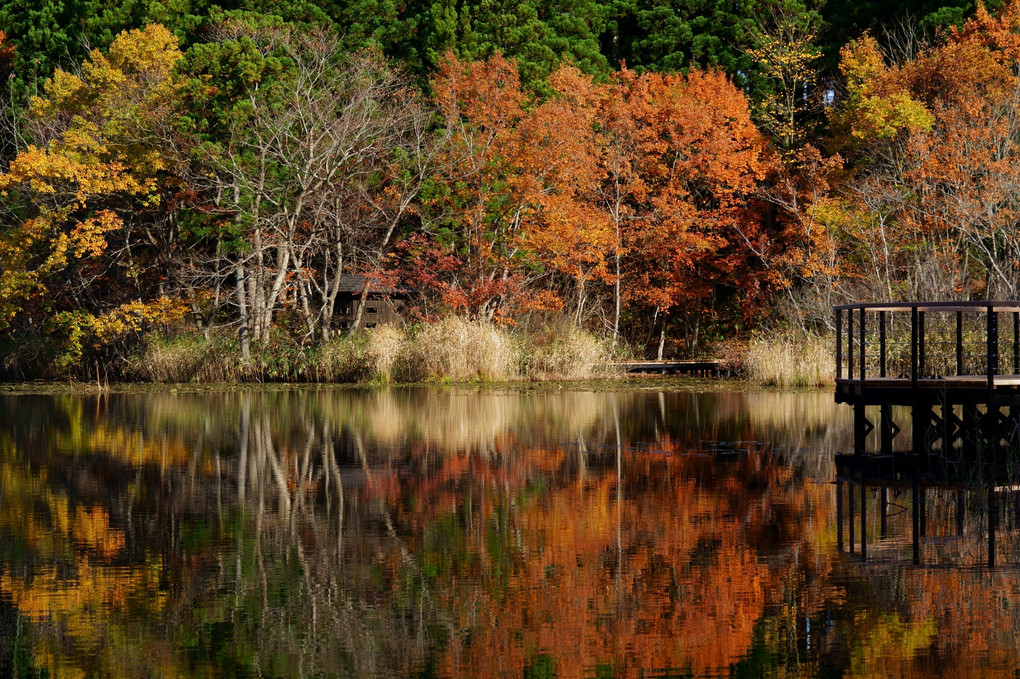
{"x": 955, "y": 365}
{"x": 949, "y": 374}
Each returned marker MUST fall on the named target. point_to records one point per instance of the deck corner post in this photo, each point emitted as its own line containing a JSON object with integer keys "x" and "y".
{"x": 839, "y": 344}
{"x": 913, "y": 345}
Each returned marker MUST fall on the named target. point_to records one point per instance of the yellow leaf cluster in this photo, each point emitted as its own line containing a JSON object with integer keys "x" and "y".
{"x": 878, "y": 105}
{"x": 133, "y": 316}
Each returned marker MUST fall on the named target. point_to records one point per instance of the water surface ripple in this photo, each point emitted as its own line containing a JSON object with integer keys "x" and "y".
{"x": 465, "y": 533}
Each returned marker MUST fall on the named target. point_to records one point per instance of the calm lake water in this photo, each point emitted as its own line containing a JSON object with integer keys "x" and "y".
{"x": 463, "y": 533}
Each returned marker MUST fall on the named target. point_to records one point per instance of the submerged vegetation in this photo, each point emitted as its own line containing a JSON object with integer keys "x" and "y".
{"x": 192, "y": 198}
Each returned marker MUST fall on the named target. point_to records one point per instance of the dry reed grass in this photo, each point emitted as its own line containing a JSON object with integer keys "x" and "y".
{"x": 566, "y": 352}
{"x": 186, "y": 359}
{"x": 453, "y": 349}
{"x": 384, "y": 347}
{"x": 460, "y": 350}
{"x": 341, "y": 359}
{"x": 790, "y": 360}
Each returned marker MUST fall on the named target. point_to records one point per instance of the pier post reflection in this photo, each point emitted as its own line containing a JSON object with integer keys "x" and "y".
{"x": 850, "y": 504}
{"x": 864, "y": 520}
{"x": 953, "y": 519}
{"x": 839, "y": 515}
{"x": 916, "y": 515}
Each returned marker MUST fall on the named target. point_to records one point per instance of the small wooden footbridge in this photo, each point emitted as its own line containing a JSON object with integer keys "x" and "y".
{"x": 935, "y": 392}
{"x": 709, "y": 367}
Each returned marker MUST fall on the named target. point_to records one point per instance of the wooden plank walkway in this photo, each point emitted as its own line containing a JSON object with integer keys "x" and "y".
{"x": 696, "y": 368}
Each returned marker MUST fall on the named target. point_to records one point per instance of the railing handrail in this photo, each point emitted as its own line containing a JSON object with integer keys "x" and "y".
{"x": 978, "y": 306}
{"x": 856, "y": 333}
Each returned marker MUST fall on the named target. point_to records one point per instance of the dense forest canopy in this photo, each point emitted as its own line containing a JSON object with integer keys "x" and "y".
{"x": 658, "y": 173}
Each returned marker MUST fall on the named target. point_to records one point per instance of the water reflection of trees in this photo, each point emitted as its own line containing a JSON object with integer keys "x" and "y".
{"x": 459, "y": 533}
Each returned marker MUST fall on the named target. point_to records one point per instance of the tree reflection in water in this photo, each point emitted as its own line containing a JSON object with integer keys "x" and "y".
{"x": 427, "y": 532}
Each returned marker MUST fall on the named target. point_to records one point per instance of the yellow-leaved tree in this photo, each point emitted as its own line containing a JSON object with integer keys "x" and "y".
{"x": 83, "y": 202}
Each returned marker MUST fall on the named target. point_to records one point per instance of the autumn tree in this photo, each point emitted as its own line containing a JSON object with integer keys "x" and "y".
{"x": 925, "y": 208}
{"x": 784, "y": 48}
{"x": 8, "y": 147}
{"x": 697, "y": 158}
{"x": 83, "y": 240}
{"x": 560, "y": 161}
{"x": 477, "y": 207}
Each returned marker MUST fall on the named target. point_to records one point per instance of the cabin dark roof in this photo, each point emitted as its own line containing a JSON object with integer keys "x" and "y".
{"x": 354, "y": 284}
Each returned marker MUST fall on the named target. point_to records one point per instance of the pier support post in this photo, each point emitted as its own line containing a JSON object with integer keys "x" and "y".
{"x": 889, "y": 428}
{"x": 862, "y": 426}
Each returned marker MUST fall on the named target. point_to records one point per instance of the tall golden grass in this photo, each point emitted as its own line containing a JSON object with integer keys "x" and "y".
{"x": 453, "y": 349}
{"x": 186, "y": 359}
{"x": 458, "y": 349}
{"x": 564, "y": 352}
{"x": 791, "y": 360}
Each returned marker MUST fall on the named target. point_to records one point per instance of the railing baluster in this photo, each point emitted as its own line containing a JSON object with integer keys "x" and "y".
{"x": 920, "y": 345}
{"x": 863, "y": 345}
{"x": 913, "y": 345}
{"x": 881, "y": 344}
{"x": 1016, "y": 344}
{"x": 959, "y": 342}
{"x": 992, "y": 345}
{"x": 849, "y": 344}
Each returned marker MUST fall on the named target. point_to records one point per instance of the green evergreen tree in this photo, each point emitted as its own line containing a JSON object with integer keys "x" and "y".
{"x": 672, "y": 35}
{"x": 850, "y": 19}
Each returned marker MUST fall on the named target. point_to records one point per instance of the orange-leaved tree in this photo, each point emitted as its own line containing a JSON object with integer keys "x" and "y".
{"x": 560, "y": 174}
{"x": 477, "y": 207}
{"x": 695, "y": 159}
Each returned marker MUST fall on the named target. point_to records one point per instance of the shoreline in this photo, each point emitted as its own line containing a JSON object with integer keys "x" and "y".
{"x": 626, "y": 383}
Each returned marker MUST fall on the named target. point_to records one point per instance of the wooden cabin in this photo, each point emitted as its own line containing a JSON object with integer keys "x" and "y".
{"x": 384, "y": 305}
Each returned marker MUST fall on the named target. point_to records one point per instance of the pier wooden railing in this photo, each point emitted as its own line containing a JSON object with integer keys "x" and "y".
{"x": 971, "y": 344}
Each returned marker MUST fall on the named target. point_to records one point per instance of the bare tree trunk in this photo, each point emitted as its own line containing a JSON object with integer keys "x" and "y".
{"x": 580, "y": 303}
{"x": 242, "y": 313}
{"x": 616, "y": 304}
